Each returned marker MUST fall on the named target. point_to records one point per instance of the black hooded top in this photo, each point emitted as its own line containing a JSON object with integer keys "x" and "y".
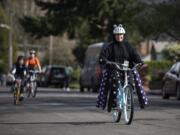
{"x": 119, "y": 52}
{"x": 19, "y": 70}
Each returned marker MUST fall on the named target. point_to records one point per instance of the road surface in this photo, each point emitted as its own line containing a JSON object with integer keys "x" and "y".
{"x": 54, "y": 112}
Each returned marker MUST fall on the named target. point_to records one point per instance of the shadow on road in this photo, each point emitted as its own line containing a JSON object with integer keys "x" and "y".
{"x": 58, "y": 123}
{"x": 149, "y": 119}
{"x": 163, "y": 104}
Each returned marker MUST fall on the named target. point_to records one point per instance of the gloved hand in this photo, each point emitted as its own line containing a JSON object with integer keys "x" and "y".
{"x": 143, "y": 67}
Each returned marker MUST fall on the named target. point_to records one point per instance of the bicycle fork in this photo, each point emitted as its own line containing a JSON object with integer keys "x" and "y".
{"x": 121, "y": 97}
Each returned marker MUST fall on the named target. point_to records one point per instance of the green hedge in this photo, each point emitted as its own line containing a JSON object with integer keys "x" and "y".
{"x": 172, "y": 52}
{"x": 157, "y": 69}
{"x": 76, "y": 73}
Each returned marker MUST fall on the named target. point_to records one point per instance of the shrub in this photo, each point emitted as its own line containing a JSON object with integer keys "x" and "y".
{"x": 172, "y": 52}
{"x": 156, "y": 69}
{"x": 76, "y": 74}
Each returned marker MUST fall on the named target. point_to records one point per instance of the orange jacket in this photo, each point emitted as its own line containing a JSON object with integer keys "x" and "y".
{"x": 32, "y": 62}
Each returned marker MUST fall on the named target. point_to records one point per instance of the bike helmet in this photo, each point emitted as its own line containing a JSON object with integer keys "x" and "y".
{"x": 32, "y": 52}
{"x": 119, "y": 29}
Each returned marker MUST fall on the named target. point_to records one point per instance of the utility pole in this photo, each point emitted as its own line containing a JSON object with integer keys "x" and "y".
{"x": 50, "y": 50}
{"x": 10, "y": 41}
{"x": 10, "y": 38}
{"x": 25, "y": 37}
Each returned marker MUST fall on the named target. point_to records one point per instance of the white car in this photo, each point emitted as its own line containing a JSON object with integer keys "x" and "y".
{"x": 171, "y": 82}
{"x": 91, "y": 71}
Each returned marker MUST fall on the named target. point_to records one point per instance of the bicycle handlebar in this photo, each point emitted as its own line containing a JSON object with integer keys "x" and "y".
{"x": 123, "y": 67}
{"x": 33, "y": 71}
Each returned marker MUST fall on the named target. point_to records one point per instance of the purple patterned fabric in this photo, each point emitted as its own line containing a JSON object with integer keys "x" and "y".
{"x": 103, "y": 90}
{"x": 102, "y": 97}
{"x": 139, "y": 88}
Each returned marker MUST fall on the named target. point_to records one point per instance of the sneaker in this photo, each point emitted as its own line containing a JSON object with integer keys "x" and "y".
{"x": 67, "y": 89}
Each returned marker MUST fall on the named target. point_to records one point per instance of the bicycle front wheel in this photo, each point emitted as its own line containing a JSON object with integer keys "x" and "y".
{"x": 128, "y": 109}
{"x": 28, "y": 92}
{"x": 34, "y": 91}
{"x": 16, "y": 96}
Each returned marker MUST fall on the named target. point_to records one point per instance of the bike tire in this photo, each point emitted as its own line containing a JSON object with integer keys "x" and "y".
{"x": 129, "y": 107}
{"x": 35, "y": 90}
{"x": 16, "y": 96}
{"x": 28, "y": 92}
{"x": 116, "y": 114}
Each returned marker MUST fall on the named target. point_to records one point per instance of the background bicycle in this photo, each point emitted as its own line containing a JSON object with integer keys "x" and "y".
{"x": 31, "y": 84}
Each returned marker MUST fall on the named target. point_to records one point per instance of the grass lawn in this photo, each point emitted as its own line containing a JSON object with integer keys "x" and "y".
{"x": 74, "y": 85}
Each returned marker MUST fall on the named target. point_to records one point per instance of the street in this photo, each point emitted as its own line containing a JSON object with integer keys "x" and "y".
{"x": 55, "y": 112}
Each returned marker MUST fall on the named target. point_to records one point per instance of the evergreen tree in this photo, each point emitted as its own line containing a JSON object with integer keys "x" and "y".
{"x": 87, "y": 20}
{"x": 91, "y": 21}
{"x": 160, "y": 18}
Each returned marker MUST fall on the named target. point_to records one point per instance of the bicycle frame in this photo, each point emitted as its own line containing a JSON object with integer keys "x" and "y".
{"x": 123, "y": 96}
{"x": 121, "y": 91}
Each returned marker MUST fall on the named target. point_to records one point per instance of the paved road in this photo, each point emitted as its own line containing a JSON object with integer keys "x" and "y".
{"x": 54, "y": 112}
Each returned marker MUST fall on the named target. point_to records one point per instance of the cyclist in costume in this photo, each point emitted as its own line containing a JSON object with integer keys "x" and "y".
{"x": 117, "y": 51}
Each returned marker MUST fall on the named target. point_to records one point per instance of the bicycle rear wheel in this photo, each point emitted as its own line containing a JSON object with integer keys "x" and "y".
{"x": 116, "y": 114}
{"x": 128, "y": 108}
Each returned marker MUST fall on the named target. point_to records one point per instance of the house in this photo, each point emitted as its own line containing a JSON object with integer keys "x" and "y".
{"x": 152, "y": 49}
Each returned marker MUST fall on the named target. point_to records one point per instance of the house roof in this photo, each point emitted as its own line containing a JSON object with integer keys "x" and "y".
{"x": 100, "y": 44}
{"x": 160, "y": 45}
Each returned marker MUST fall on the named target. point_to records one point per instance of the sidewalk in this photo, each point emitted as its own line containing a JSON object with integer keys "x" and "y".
{"x": 7, "y": 89}
{"x": 4, "y": 89}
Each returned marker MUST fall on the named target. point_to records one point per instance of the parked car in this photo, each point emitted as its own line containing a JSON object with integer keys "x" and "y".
{"x": 171, "y": 82}
{"x": 91, "y": 71}
{"x": 54, "y": 75}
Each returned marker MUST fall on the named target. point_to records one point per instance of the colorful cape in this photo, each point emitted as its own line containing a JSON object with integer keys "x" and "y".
{"x": 103, "y": 90}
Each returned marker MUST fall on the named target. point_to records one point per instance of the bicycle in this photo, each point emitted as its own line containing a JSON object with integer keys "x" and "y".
{"x": 31, "y": 86}
{"x": 125, "y": 99}
{"x": 16, "y": 91}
